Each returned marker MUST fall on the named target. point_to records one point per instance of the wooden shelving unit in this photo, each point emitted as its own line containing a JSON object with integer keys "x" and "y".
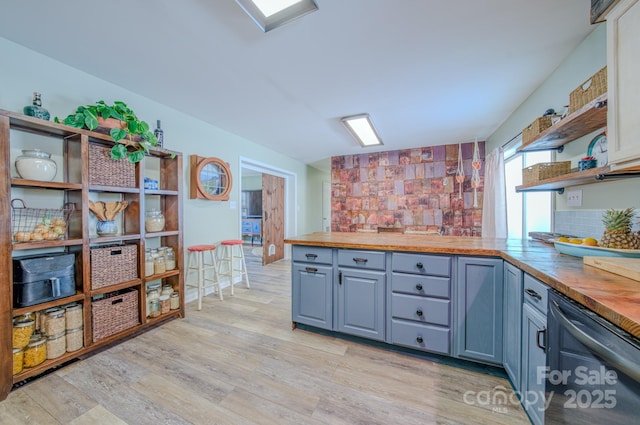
{"x": 72, "y": 185}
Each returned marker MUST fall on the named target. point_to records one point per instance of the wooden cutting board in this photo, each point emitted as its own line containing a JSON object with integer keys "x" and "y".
{"x": 627, "y": 267}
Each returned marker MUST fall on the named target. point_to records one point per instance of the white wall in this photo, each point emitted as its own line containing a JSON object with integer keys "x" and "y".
{"x": 583, "y": 62}
{"x": 63, "y": 88}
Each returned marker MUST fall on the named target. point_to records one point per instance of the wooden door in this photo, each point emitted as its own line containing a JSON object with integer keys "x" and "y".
{"x": 272, "y": 219}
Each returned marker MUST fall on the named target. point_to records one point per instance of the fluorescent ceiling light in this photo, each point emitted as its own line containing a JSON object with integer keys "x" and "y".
{"x": 269, "y": 14}
{"x": 361, "y": 127}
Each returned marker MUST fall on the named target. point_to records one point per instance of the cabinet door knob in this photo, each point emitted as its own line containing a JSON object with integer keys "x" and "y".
{"x": 420, "y": 266}
{"x": 543, "y": 333}
{"x": 419, "y": 313}
{"x": 419, "y": 286}
{"x": 419, "y": 340}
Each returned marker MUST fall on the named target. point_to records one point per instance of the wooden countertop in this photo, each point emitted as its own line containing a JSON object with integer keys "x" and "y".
{"x": 614, "y": 297}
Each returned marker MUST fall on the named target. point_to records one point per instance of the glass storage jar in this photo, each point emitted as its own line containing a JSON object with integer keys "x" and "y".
{"x": 73, "y": 316}
{"x": 55, "y": 322}
{"x": 35, "y": 164}
{"x": 74, "y": 339}
{"x": 56, "y": 346}
{"x": 165, "y": 304}
{"x": 154, "y": 221}
{"x": 158, "y": 265}
{"x": 152, "y": 294}
{"x": 148, "y": 264}
{"x": 154, "y": 308}
{"x": 22, "y": 332}
{"x": 169, "y": 259}
{"x": 174, "y": 301}
{"x": 166, "y": 290}
{"x": 36, "y": 352}
{"x": 18, "y": 359}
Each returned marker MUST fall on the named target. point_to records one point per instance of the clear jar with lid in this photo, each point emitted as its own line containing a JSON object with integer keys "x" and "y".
{"x": 73, "y": 316}
{"x": 55, "y": 322}
{"x": 56, "y": 345}
{"x": 166, "y": 290}
{"x": 174, "y": 299}
{"x": 148, "y": 264}
{"x": 165, "y": 304}
{"x": 35, "y": 352}
{"x": 22, "y": 332}
{"x": 43, "y": 318}
{"x": 169, "y": 258}
{"x": 152, "y": 295}
{"x": 18, "y": 360}
{"x": 154, "y": 308}
{"x": 154, "y": 221}
{"x": 74, "y": 339}
{"x": 158, "y": 265}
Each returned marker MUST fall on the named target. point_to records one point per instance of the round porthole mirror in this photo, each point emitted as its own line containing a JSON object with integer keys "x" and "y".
{"x": 210, "y": 179}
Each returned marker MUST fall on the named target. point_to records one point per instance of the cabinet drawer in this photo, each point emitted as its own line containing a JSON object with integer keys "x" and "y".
{"x": 433, "y": 265}
{"x": 373, "y": 260}
{"x": 421, "y": 285}
{"x": 421, "y": 337}
{"x": 421, "y": 309}
{"x": 535, "y": 293}
{"x": 311, "y": 254}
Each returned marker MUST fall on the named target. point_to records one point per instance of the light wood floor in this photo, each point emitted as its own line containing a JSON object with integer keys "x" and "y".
{"x": 238, "y": 362}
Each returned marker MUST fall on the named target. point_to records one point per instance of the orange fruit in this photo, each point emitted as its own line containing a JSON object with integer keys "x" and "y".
{"x": 590, "y": 242}
{"x": 562, "y": 239}
{"x": 575, "y": 241}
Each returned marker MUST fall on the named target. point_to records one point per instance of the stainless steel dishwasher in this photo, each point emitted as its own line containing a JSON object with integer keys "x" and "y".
{"x": 593, "y": 368}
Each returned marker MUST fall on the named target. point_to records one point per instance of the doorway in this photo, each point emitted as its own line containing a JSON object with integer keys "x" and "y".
{"x": 285, "y": 204}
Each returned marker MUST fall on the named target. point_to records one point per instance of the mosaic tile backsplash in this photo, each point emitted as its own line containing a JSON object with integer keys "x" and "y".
{"x": 414, "y": 189}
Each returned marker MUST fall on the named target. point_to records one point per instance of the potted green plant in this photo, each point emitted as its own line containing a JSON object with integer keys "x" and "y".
{"x": 124, "y": 131}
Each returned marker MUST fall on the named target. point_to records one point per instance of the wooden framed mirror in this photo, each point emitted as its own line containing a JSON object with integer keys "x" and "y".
{"x": 210, "y": 179}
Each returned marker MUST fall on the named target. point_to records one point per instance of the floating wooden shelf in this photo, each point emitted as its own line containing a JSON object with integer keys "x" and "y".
{"x": 585, "y": 120}
{"x": 558, "y": 183}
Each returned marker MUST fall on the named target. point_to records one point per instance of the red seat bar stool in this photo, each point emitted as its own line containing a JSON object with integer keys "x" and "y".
{"x": 231, "y": 253}
{"x": 201, "y": 264}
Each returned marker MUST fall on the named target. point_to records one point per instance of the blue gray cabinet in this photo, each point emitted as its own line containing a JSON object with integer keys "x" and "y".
{"x": 421, "y": 301}
{"x": 312, "y": 286}
{"x": 512, "y": 330}
{"x": 361, "y": 293}
{"x": 479, "y": 295}
{"x": 534, "y": 354}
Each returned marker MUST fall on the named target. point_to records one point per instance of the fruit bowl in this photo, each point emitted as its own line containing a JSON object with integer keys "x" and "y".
{"x": 579, "y": 250}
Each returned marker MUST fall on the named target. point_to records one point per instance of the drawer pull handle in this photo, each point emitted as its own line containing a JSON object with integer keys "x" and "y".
{"x": 533, "y": 293}
{"x": 419, "y": 340}
{"x": 311, "y": 256}
{"x": 360, "y": 260}
{"x": 419, "y": 286}
{"x": 420, "y": 266}
{"x": 419, "y": 313}
{"x": 311, "y": 269}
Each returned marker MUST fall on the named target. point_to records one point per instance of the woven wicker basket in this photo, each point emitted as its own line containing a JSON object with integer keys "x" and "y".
{"x": 111, "y": 265}
{"x": 544, "y": 170}
{"x": 595, "y": 86}
{"x": 105, "y": 171}
{"x": 114, "y": 313}
{"x": 538, "y": 126}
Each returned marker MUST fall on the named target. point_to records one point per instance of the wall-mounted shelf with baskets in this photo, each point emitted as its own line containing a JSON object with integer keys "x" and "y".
{"x": 589, "y": 118}
{"x": 83, "y": 176}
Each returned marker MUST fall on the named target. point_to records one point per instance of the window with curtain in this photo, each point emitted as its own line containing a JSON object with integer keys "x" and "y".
{"x": 528, "y": 211}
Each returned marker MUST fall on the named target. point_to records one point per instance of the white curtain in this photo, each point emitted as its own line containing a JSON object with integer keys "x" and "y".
{"x": 494, "y": 205}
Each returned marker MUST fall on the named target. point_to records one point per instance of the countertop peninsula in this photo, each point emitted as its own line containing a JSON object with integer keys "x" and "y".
{"x": 614, "y": 297}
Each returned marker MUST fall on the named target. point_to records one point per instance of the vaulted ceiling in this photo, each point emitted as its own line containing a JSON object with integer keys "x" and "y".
{"x": 428, "y": 72}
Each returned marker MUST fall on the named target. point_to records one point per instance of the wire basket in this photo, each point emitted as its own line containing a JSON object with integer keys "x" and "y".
{"x": 39, "y": 224}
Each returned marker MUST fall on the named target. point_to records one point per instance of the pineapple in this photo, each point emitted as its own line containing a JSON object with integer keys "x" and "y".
{"x": 618, "y": 232}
